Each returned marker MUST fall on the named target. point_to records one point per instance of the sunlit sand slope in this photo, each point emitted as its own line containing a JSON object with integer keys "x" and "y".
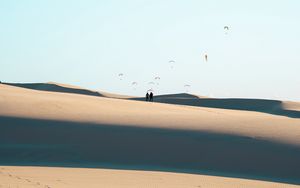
{"x": 47, "y": 177}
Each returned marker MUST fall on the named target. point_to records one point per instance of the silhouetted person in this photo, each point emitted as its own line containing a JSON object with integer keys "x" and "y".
{"x": 151, "y": 96}
{"x": 147, "y": 96}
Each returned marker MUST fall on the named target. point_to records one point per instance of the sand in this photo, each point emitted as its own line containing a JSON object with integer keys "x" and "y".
{"x": 49, "y": 177}
{"x": 256, "y": 139}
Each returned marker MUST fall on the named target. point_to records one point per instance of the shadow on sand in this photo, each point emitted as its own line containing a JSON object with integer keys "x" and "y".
{"x": 54, "y": 88}
{"x": 57, "y": 143}
{"x": 259, "y": 105}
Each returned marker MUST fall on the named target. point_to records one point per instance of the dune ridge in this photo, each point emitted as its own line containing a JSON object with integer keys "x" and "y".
{"x": 276, "y": 107}
{"x": 55, "y": 87}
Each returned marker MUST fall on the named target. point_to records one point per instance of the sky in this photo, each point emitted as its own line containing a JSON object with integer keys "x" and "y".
{"x": 88, "y": 43}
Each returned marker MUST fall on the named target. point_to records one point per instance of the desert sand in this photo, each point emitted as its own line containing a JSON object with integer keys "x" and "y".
{"x": 64, "y": 126}
{"x": 49, "y": 177}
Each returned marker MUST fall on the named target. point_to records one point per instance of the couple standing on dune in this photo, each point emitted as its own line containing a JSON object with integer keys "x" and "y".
{"x": 149, "y": 97}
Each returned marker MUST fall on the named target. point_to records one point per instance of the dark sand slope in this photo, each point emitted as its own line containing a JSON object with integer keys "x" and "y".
{"x": 59, "y": 129}
{"x": 55, "y": 87}
{"x": 58, "y": 143}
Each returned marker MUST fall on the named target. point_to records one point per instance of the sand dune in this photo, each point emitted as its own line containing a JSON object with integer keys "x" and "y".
{"x": 289, "y": 109}
{"x": 64, "y": 129}
{"x": 276, "y": 107}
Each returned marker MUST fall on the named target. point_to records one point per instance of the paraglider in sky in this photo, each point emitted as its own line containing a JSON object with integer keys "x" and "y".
{"x": 134, "y": 85}
{"x": 151, "y": 83}
{"x": 226, "y": 28}
{"x": 172, "y": 62}
{"x": 120, "y": 75}
{"x": 157, "y": 78}
{"x": 150, "y": 90}
{"x": 206, "y": 57}
{"x": 187, "y": 87}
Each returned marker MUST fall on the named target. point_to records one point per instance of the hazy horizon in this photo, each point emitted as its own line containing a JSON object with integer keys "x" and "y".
{"x": 88, "y": 43}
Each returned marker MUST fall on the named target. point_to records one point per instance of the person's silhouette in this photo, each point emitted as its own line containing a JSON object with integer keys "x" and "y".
{"x": 147, "y": 96}
{"x": 151, "y": 96}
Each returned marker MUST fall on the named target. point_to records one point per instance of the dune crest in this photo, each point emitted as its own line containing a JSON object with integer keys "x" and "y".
{"x": 275, "y": 107}
{"x": 55, "y": 87}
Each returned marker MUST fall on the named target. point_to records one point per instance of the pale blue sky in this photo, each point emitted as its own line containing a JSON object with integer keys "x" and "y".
{"x": 88, "y": 43}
